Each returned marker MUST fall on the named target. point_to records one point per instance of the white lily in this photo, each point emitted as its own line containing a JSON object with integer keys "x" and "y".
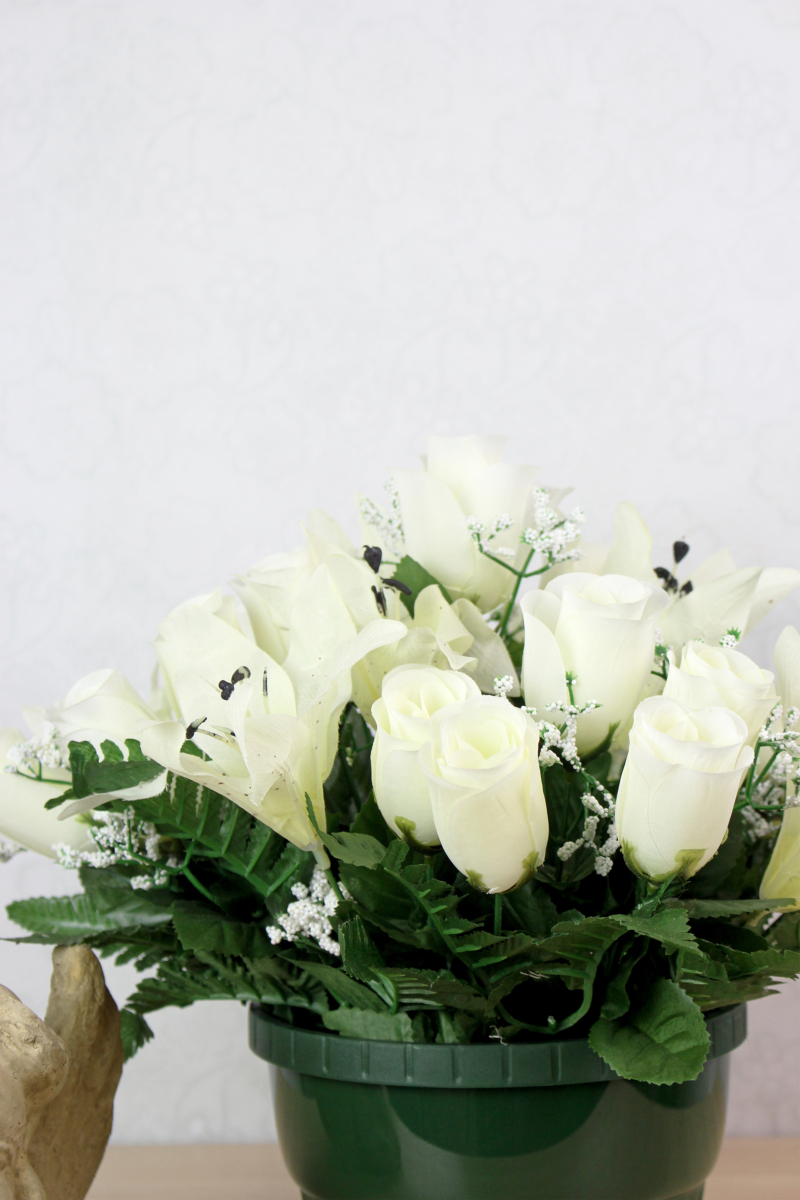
{"x": 268, "y": 731}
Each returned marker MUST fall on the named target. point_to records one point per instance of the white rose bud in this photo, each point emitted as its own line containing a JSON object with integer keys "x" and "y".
{"x": 679, "y": 785}
{"x": 410, "y": 697}
{"x": 486, "y": 792}
{"x": 601, "y": 629}
{"x": 716, "y": 675}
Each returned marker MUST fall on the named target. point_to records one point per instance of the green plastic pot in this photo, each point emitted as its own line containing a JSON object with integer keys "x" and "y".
{"x": 366, "y": 1120}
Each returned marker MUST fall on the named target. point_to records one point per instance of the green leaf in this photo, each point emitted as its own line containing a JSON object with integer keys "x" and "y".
{"x": 532, "y": 908}
{"x": 177, "y": 985}
{"x": 617, "y": 1001}
{"x": 343, "y": 989}
{"x": 370, "y": 820}
{"x": 665, "y": 1040}
{"x": 202, "y": 928}
{"x": 358, "y": 849}
{"x": 347, "y": 788}
{"x": 381, "y": 1027}
{"x": 728, "y": 908}
{"x": 112, "y": 752}
{"x": 582, "y": 945}
{"x": 455, "y": 1028}
{"x": 91, "y": 777}
{"x": 414, "y": 576}
{"x": 707, "y": 982}
{"x": 360, "y": 955}
{"x": 220, "y": 829}
{"x": 134, "y": 1031}
{"x": 669, "y": 926}
{"x": 785, "y": 933}
{"x": 66, "y": 920}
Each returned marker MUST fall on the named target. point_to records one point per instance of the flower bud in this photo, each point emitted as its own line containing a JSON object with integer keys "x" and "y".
{"x": 600, "y": 629}
{"x": 716, "y": 675}
{"x": 410, "y": 697}
{"x": 679, "y": 785}
{"x": 486, "y": 791}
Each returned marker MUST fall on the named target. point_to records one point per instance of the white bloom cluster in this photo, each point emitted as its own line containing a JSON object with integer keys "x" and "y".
{"x": 596, "y": 811}
{"x": 559, "y": 741}
{"x": 483, "y": 538}
{"x": 28, "y": 758}
{"x": 553, "y": 536}
{"x": 309, "y": 915}
{"x": 388, "y": 524}
{"x": 503, "y": 684}
{"x": 777, "y": 782}
{"x": 558, "y": 744}
{"x": 119, "y": 837}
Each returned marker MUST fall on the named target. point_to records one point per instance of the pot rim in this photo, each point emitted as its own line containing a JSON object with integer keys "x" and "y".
{"x": 477, "y": 1065}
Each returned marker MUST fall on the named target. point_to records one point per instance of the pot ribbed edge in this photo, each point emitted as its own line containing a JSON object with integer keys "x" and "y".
{"x": 411, "y": 1064}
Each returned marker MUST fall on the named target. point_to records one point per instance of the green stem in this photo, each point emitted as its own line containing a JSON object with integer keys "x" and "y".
{"x": 766, "y": 770}
{"x": 498, "y": 914}
{"x": 332, "y": 880}
{"x": 196, "y": 883}
{"x": 513, "y": 599}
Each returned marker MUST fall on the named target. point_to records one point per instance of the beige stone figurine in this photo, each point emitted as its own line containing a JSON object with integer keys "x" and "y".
{"x": 58, "y": 1078}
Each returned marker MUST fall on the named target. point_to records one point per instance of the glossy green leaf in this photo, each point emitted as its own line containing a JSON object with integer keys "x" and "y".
{"x": 664, "y": 1040}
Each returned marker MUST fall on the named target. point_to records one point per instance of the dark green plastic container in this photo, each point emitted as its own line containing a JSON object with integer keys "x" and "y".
{"x": 364, "y": 1120}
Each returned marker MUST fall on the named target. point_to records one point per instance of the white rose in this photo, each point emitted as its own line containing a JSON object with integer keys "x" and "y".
{"x": 464, "y": 476}
{"x": 679, "y": 785}
{"x": 600, "y": 628}
{"x": 717, "y": 675}
{"x": 486, "y": 792}
{"x": 23, "y": 816}
{"x": 411, "y": 696}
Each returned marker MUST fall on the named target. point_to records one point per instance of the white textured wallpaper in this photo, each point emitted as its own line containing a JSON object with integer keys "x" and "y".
{"x": 251, "y": 251}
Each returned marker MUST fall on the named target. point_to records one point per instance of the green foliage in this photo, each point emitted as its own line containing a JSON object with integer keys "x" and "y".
{"x": 415, "y": 577}
{"x": 424, "y": 954}
{"x": 134, "y": 1031}
{"x": 663, "y": 1040}
{"x": 67, "y": 920}
{"x": 383, "y": 1027}
{"x": 94, "y": 777}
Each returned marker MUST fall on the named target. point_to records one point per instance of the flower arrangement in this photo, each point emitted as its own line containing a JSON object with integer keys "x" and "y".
{"x": 474, "y": 779}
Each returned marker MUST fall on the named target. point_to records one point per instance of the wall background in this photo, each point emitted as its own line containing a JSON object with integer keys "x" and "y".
{"x": 250, "y": 254}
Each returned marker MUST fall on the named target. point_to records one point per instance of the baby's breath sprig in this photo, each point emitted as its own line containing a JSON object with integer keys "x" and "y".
{"x": 771, "y": 787}
{"x": 388, "y": 523}
{"x": 120, "y": 838}
{"x": 37, "y": 755}
{"x": 559, "y": 745}
{"x": 308, "y": 916}
{"x": 552, "y": 538}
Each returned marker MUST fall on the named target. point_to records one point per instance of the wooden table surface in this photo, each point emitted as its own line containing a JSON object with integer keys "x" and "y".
{"x": 748, "y": 1169}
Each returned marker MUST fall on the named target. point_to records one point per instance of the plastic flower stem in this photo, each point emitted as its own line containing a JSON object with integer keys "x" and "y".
{"x": 332, "y": 880}
{"x": 498, "y": 914}
{"x": 513, "y": 598}
{"x": 196, "y": 883}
